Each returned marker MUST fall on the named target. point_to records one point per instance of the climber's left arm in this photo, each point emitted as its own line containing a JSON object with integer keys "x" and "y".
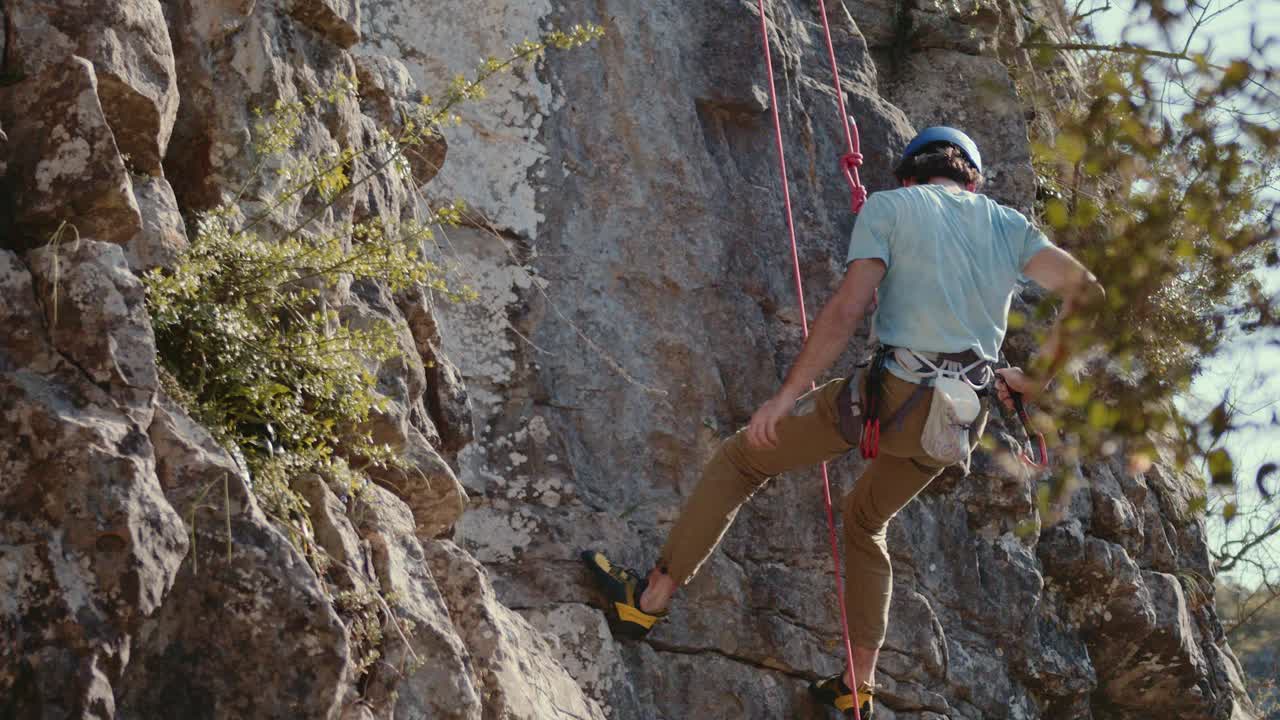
{"x": 828, "y": 338}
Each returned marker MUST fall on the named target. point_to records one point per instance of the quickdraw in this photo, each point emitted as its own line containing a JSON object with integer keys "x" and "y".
{"x": 1039, "y": 457}
{"x": 869, "y": 444}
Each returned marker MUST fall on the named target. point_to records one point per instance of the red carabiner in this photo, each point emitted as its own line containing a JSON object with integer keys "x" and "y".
{"x": 1039, "y": 457}
{"x": 870, "y": 443}
{"x": 1040, "y": 461}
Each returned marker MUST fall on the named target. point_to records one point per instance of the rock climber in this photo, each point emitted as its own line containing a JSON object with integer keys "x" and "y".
{"x": 945, "y": 260}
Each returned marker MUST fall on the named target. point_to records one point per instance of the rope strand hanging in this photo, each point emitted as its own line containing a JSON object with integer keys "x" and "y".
{"x": 849, "y": 164}
{"x": 852, "y": 159}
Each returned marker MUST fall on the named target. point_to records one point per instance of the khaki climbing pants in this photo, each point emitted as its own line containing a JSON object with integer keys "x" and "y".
{"x": 811, "y": 435}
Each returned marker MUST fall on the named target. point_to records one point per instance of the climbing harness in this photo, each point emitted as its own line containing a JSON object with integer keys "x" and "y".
{"x": 956, "y": 369}
{"x": 849, "y": 164}
{"x": 963, "y": 367}
{"x": 956, "y": 378}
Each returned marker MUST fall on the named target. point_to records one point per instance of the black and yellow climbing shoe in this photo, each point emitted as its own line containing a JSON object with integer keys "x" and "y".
{"x": 832, "y": 692}
{"x": 622, "y": 589}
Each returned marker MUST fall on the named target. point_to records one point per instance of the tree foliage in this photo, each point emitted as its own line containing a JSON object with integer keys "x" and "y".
{"x": 1159, "y": 173}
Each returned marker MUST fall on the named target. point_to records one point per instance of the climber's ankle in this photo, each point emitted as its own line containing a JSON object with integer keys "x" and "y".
{"x": 658, "y": 591}
{"x": 864, "y": 664}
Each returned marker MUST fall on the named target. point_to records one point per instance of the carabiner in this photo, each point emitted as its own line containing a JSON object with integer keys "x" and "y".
{"x": 1039, "y": 457}
{"x": 870, "y": 442}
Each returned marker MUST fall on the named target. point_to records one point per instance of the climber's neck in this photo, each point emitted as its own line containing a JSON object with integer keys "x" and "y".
{"x": 948, "y": 183}
{"x": 945, "y": 182}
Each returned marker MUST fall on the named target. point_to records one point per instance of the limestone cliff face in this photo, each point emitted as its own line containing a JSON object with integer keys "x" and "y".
{"x": 635, "y": 305}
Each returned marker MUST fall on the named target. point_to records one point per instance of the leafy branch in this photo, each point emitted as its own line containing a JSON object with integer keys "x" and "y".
{"x": 1156, "y": 176}
{"x": 1236, "y": 69}
{"x": 422, "y": 125}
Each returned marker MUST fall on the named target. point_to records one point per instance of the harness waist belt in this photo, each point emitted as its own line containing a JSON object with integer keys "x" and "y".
{"x": 978, "y": 370}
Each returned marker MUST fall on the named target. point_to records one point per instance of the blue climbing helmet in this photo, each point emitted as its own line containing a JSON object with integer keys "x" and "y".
{"x": 948, "y": 135}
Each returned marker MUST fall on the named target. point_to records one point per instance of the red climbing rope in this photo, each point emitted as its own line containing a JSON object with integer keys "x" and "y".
{"x": 849, "y": 164}
{"x": 852, "y": 159}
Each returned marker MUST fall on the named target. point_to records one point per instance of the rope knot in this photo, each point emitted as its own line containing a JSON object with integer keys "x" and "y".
{"x": 849, "y": 164}
{"x": 852, "y": 160}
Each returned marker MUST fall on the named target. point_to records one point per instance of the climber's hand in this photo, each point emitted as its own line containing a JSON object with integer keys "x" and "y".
{"x": 762, "y": 431}
{"x": 1012, "y": 378}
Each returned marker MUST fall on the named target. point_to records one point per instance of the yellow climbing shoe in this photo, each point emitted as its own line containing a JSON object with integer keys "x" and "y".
{"x": 833, "y": 693}
{"x": 622, "y": 588}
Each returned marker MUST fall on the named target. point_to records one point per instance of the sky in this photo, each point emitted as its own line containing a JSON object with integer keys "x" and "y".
{"x": 1249, "y": 368}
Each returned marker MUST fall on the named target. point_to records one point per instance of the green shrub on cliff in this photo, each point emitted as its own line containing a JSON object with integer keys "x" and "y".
{"x": 246, "y": 331}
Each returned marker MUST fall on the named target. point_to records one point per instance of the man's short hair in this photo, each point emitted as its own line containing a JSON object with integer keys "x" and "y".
{"x": 938, "y": 160}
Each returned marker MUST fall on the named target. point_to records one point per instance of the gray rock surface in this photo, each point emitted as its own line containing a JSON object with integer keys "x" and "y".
{"x": 435, "y": 672}
{"x": 128, "y": 46}
{"x": 64, "y": 165}
{"x": 337, "y": 20}
{"x": 89, "y": 548}
{"x": 243, "y": 593}
{"x": 164, "y": 233}
{"x": 504, "y": 647}
{"x": 97, "y": 319}
{"x": 635, "y": 305}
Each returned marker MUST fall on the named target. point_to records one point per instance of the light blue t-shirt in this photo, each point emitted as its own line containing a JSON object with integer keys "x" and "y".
{"x": 953, "y": 260}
